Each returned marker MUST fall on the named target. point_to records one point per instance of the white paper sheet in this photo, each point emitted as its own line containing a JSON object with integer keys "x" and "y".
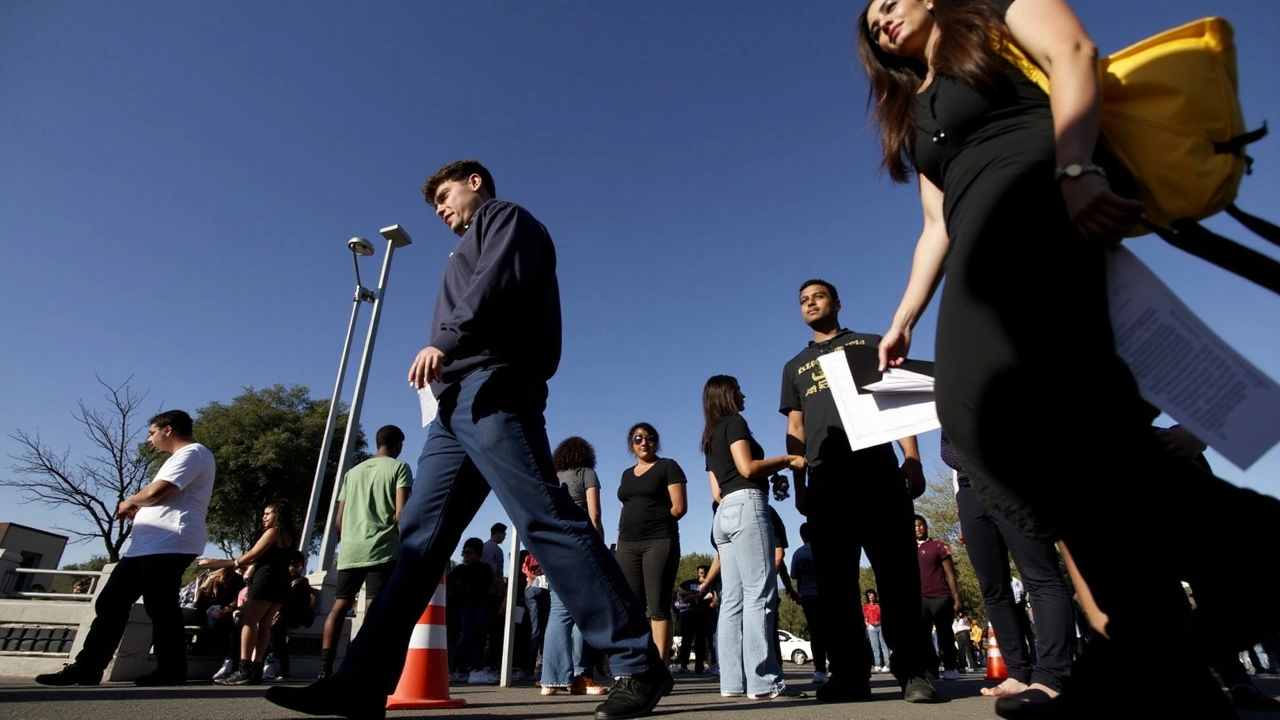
{"x": 899, "y": 380}
{"x": 427, "y": 402}
{"x": 875, "y": 419}
{"x": 1186, "y": 370}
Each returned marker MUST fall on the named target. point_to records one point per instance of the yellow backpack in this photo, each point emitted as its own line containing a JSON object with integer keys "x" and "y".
{"x": 1171, "y": 115}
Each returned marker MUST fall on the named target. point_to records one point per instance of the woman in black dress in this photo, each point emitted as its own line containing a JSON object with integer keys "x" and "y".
{"x": 1020, "y": 214}
{"x": 268, "y": 590}
{"x": 653, "y": 499}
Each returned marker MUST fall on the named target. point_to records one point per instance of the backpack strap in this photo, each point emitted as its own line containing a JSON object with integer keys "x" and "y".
{"x": 1236, "y": 144}
{"x": 1192, "y": 237}
{"x": 1255, "y": 223}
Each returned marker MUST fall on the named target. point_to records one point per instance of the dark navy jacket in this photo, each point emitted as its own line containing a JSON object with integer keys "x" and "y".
{"x": 499, "y": 301}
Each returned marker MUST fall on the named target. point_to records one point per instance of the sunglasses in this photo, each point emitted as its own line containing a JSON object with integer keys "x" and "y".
{"x": 639, "y": 439}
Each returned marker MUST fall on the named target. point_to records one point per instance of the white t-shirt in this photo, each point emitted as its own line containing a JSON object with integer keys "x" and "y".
{"x": 177, "y": 524}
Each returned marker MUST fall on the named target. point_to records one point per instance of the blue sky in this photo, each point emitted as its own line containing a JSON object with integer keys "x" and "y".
{"x": 179, "y": 181}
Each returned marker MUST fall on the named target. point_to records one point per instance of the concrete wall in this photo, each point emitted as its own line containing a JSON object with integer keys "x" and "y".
{"x": 133, "y": 658}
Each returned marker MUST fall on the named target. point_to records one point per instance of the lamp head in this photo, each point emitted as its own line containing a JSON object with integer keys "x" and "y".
{"x": 360, "y": 246}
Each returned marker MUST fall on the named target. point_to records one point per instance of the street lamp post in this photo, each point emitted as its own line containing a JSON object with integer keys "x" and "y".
{"x": 358, "y": 247}
{"x": 396, "y": 237}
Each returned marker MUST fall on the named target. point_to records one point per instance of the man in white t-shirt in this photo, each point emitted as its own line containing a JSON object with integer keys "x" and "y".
{"x": 168, "y": 533}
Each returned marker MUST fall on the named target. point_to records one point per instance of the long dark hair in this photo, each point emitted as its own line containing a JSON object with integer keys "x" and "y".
{"x": 285, "y": 524}
{"x": 573, "y": 453}
{"x": 964, "y": 51}
{"x": 719, "y": 401}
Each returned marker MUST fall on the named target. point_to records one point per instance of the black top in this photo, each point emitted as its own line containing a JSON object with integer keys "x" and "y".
{"x": 470, "y": 584}
{"x": 499, "y": 300}
{"x": 646, "y": 502}
{"x": 779, "y": 530}
{"x": 720, "y": 460}
{"x": 804, "y": 388}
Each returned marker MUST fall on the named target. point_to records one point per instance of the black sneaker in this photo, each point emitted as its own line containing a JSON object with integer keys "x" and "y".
{"x": 919, "y": 690}
{"x": 242, "y": 676}
{"x": 71, "y": 674}
{"x": 163, "y": 678}
{"x": 840, "y": 689}
{"x": 329, "y": 697}
{"x": 636, "y": 695}
{"x": 1249, "y": 697}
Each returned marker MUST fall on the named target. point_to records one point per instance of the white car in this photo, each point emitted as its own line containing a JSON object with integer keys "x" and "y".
{"x": 794, "y": 648}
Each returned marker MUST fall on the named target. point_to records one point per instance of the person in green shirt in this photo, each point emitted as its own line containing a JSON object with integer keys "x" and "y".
{"x": 369, "y": 505}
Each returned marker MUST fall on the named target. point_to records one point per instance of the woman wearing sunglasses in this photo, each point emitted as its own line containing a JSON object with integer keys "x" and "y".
{"x": 739, "y": 475}
{"x": 653, "y": 499}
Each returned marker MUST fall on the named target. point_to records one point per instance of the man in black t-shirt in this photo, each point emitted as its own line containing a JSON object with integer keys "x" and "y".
{"x": 855, "y": 501}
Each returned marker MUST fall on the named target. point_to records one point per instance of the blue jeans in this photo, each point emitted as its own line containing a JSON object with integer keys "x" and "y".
{"x": 744, "y": 538}
{"x": 564, "y": 654}
{"x": 469, "y": 654}
{"x": 535, "y": 604}
{"x": 878, "y": 648}
{"x": 489, "y": 434}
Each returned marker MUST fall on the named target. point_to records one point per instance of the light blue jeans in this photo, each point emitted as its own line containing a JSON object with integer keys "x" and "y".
{"x": 744, "y": 538}
{"x": 564, "y": 654}
{"x": 878, "y": 648}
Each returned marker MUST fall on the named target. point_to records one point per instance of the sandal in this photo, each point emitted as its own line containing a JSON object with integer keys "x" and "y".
{"x": 1007, "y": 688}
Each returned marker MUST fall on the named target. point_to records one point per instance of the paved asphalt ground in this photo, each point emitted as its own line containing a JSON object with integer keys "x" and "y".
{"x": 694, "y": 698}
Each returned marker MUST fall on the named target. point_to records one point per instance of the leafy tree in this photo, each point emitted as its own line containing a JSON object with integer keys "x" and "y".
{"x": 90, "y": 489}
{"x": 266, "y": 442}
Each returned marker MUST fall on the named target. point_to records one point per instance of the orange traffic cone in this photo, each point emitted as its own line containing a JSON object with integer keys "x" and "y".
{"x": 424, "y": 684}
{"x": 996, "y": 669}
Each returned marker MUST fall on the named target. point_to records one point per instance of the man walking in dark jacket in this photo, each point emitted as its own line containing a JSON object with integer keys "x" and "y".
{"x": 494, "y": 344}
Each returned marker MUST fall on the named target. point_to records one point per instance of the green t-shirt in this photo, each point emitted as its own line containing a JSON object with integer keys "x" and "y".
{"x": 369, "y": 533}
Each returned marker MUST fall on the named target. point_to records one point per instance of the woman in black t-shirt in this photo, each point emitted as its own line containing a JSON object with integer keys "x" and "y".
{"x": 653, "y": 500}
{"x": 743, "y": 534}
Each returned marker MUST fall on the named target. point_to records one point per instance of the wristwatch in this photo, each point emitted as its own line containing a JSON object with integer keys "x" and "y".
{"x": 1075, "y": 170}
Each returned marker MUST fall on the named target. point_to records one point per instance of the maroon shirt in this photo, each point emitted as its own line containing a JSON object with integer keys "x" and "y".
{"x": 933, "y": 582}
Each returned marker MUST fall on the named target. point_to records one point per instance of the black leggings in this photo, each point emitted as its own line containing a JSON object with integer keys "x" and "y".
{"x": 991, "y": 540}
{"x": 650, "y": 568}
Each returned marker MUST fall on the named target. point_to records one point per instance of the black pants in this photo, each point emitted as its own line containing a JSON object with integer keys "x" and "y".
{"x": 157, "y": 580}
{"x": 696, "y": 625}
{"x": 937, "y": 614}
{"x": 868, "y": 511}
{"x": 817, "y": 634}
{"x": 991, "y": 540}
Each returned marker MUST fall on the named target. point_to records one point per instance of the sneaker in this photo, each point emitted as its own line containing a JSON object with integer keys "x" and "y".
{"x": 950, "y": 675}
{"x": 163, "y": 678}
{"x": 228, "y": 667}
{"x": 1248, "y": 697}
{"x": 635, "y": 696}
{"x": 919, "y": 690}
{"x": 583, "y": 685}
{"x": 713, "y": 670}
{"x": 270, "y": 670}
{"x": 732, "y": 694}
{"x": 242, "y": 676}
{"x": 819, "y": 678}
{"x": 323, "y": 674}
{"x": 679, "y": 670}
{"x": 329, "y": 697}
{"x": 780, "y": 691}
{"x": 71, "y": 674}
{"x": 482, "y": 677}
{"x": 552, "y": 689}
{"x": 838, "y": 690}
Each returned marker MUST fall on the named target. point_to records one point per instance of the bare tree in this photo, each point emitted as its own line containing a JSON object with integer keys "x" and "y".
{"x": 93, "y": 487}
